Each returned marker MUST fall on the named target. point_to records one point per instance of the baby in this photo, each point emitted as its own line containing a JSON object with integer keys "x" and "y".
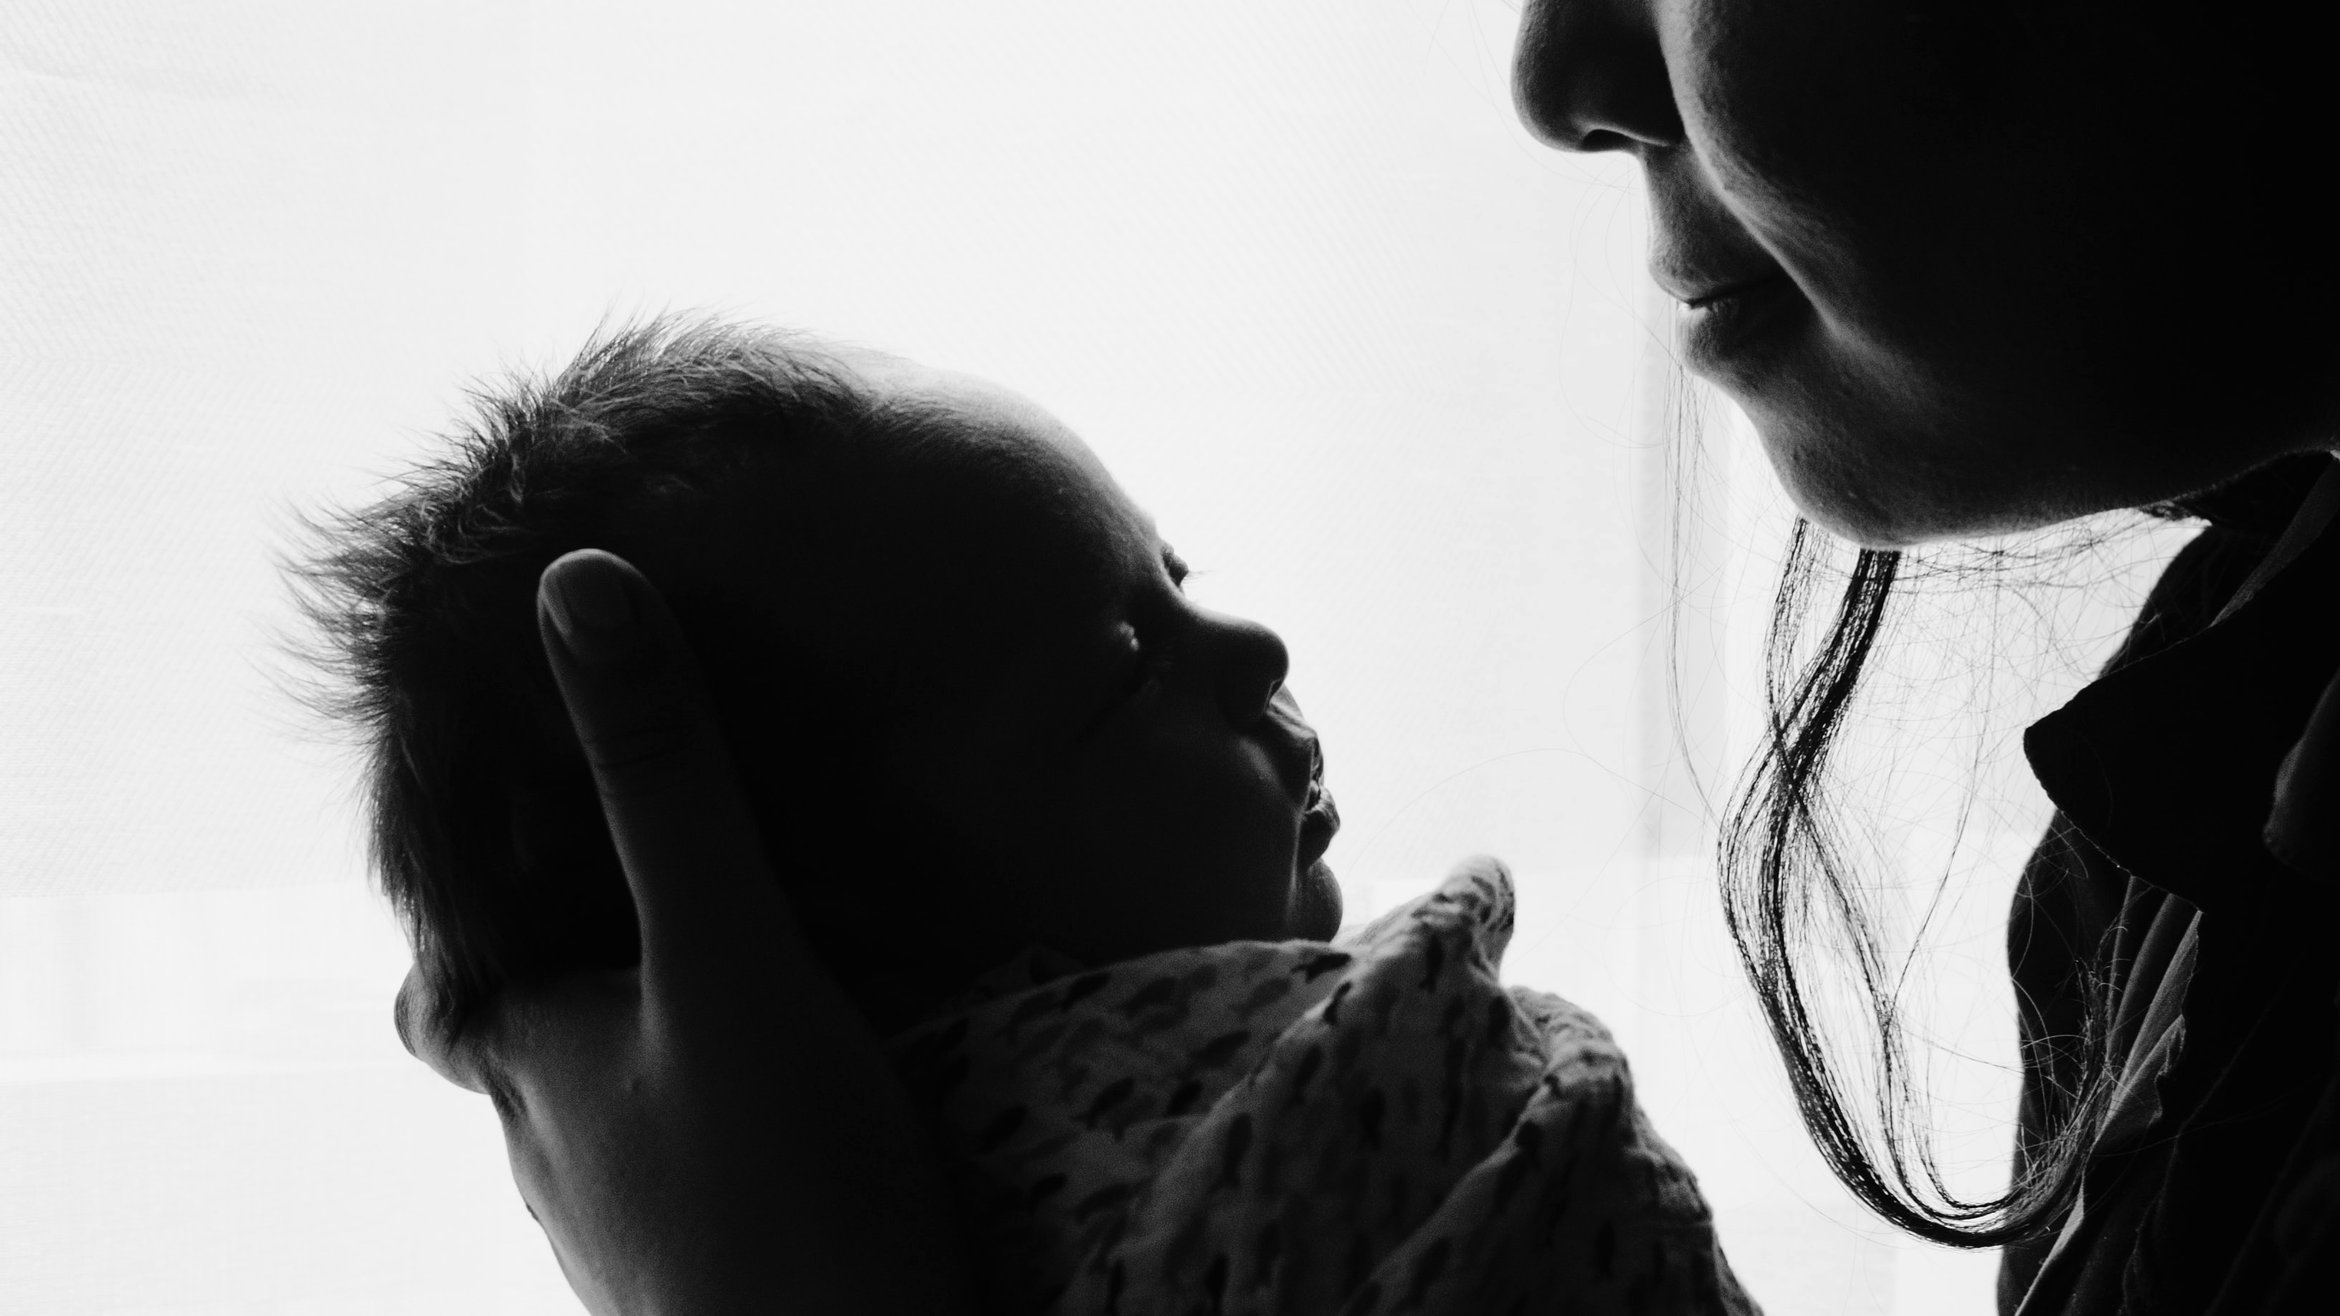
{"x": 1057, "y": 830}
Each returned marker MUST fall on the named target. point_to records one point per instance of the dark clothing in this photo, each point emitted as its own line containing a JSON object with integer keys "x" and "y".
{"x": 2213, "y": 1183}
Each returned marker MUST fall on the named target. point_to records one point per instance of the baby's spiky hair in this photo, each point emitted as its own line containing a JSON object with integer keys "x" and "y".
{"x": 485, "y": 828}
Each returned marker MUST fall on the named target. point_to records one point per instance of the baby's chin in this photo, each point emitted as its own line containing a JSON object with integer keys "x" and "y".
{"x": 1316, "y": 904}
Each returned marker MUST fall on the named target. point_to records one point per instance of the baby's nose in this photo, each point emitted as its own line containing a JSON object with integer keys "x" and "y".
{"x": 1252, "y": 666}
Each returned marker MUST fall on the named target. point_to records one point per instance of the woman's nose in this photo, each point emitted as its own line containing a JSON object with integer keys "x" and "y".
{"x": 1250, "y": 664}
{"x": 1588, "y": 75}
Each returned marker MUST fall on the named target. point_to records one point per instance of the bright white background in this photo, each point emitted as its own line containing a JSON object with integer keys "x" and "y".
{"x": 1387, "y": 371}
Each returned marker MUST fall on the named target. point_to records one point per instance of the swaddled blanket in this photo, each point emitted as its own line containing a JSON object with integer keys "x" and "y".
{"x": 1374, "y": 1126}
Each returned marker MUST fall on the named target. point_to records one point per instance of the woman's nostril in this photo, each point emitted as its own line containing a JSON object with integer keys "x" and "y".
{"x": 1589, "y": 77}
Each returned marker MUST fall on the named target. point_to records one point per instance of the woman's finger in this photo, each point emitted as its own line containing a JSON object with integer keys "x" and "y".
{"x": 679, "y": 1132}
{"x": 701, "y": 879}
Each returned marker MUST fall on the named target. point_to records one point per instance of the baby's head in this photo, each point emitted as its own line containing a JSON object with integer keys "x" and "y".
{"x": 972, "y": 706}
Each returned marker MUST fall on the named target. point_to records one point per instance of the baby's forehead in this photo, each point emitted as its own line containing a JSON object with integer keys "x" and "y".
{"x": 980, "y": 414}
{"x": 976, "y": 519}
{"x": 1032, "y": 515}
{"x": 997, "y": 451}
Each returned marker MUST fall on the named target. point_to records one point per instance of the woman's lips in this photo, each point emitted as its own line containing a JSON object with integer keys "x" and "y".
{"x": 1699, "y": 300}
{"x": 1727, "y": 322}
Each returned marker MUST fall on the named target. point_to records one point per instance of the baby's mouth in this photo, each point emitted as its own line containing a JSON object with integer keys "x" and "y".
{"x": 1319, "y": 819}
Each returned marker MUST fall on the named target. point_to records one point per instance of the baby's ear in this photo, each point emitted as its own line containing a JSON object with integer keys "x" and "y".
{"x": 420, "y": 1015}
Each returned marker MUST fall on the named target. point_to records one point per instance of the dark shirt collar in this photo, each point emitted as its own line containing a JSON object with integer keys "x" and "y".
{"x": 2168, "y": 764}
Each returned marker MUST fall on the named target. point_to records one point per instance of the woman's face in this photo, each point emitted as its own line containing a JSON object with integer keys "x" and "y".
{"x": 1969, "y": 267}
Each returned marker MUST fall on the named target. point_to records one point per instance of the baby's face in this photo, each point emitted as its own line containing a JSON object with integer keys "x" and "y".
{"x": 1131, "y": 759}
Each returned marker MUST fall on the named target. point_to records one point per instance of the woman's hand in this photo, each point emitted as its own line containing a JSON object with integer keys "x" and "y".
{"x": 716, "y": 1131}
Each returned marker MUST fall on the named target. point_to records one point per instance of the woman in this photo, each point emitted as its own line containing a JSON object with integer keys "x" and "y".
{"x": 1933, "y": 250}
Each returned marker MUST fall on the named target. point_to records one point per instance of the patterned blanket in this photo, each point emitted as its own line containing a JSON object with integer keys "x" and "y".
{"x": 1374, "y": 1126}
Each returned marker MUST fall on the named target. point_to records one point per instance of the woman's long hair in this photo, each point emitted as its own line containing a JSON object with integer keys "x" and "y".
{"x": 1790, "y": 899}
